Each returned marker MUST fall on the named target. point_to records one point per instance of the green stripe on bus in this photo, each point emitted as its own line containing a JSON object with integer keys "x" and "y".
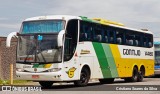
{"x": 88, "y": 20}
{"x": 102, "y": 60}
{"x": 38, "y": 66}
{"x": 41, "y": 66}
{"x": 110, "y": 60}
{"x": 35, "y": 66}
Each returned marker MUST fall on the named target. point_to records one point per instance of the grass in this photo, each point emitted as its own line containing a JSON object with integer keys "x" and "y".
{"x": 15, "y": 82}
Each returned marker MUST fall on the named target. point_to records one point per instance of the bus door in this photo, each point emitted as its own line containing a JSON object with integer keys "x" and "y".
{"x": 70, "y": 44}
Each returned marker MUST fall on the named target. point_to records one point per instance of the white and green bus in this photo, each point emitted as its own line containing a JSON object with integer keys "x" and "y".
{"x": 63, "y": 48}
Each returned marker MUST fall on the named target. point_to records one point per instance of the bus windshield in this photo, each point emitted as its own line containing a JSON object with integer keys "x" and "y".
{"x": 38, "y": 49}
{"x": 42, "y": 26}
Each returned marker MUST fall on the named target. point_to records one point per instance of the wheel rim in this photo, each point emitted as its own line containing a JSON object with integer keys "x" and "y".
{"x": 141, "y": 74}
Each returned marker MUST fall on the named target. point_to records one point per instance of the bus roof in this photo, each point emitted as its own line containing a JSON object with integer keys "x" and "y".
{"x": 132, "y": 29}
{"x": 68, "y": 17}
{"x": 52, "y": 17}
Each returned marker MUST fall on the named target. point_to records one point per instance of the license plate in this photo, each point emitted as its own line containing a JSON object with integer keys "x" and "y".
{"x": 35, "y": 76}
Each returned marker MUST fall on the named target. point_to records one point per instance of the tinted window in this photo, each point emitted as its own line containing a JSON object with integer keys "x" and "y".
{"x": 106, "y": 34}
{"x": 70, "y": 39}
{"x": 46, "y": 26}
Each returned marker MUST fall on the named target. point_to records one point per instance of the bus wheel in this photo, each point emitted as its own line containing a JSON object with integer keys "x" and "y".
{"x": 134, "y": 77}
{"x": 141, "y": 75}
{"x": 46, "y": 84}
{"x": 106, "y": 81}
{"x": 84, "y": 78}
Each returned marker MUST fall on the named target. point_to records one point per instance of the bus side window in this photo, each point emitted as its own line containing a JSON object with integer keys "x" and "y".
{"x": 83, "y": 37}
{"x": 85, "y": 31}
{"x": 150, "y": 41}
{"x": 119, "y": 40}
{"x": 138, "y": 39}
{"x": 83, "y": 34}
{"x": 127, "y": 39}
{"x": 131, "y": 38}
{"x": 145, "y": 41}
{"x": 97, "y": 33}
{"x": 99, "y": 38}
{"x": 150, "y": 44}
{"x": 106, "y": 39}
{"x": 136, "y": 42}
{"x": 89, "y": 33}
{"x": 130, "y": 42}
{"x": 111, "y": 37}
{"x": 120, "y": 37}
{"x": 105, "y": 34}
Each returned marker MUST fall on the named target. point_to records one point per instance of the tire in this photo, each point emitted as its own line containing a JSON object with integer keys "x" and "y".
{"x": 84, "y": 78}
{"x": 141, "y": 75}
{"x": 46, "y": 84}
{"x": 134, "y": 77}
{"x": 106, "y": 81}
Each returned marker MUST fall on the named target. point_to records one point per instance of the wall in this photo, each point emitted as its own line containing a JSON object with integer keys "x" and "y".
{"x": 7, "y": 56}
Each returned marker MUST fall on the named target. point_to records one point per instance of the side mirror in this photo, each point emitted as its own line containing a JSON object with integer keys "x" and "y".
{"x": 9, "y": 37}
{"x": 60, "y": 38}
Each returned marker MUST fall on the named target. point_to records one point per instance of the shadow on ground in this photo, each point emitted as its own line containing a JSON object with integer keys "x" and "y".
{"x": 90, "y": 86}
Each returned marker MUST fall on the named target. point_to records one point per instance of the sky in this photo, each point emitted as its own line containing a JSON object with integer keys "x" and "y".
{"x": 139, "y": 14}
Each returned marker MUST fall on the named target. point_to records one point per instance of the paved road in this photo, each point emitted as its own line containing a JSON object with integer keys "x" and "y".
{"x": 96, "y": 87}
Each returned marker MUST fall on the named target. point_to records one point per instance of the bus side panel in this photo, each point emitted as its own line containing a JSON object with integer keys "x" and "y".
{"x": 87, "y": 56}
{"x": 84, "y": 55}
{"x": 105, "y": 60}
{"x": 149, "y": 65}
{"x": 109, "y": 61}
{"x": 125, "y": 61}
{"x": 120, "y": 63}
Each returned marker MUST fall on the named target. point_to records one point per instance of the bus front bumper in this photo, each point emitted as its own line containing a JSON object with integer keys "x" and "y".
{"x": 47, "y": 76}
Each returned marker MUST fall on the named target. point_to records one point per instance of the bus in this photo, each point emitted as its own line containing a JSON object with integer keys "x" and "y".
{"x": 157, "y": 56}
{"x": 65, "y": 48}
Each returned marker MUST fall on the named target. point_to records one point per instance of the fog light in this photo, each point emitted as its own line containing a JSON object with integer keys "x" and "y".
{"x": 54, "y": 69}
{"x": 20, "y": 69}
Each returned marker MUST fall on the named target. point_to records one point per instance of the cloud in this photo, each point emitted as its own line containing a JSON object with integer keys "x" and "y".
{"x": 2, "y": 19}
{"x": 10, "y": 26}
{"x": 133, "y": 13}
{"x": 126, "y": 11}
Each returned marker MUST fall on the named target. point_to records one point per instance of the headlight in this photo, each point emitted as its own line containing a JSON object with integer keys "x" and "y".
{"x": 19, "y": 69}
{"x": 54, "y": 69}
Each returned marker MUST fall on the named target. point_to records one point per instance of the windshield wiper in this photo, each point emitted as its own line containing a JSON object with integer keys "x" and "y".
{"x": 41, "y": 55}
{"x": 29, "y": 52}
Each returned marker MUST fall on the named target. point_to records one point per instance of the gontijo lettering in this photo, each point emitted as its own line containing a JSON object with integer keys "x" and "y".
{"x": 131, "y": 52}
